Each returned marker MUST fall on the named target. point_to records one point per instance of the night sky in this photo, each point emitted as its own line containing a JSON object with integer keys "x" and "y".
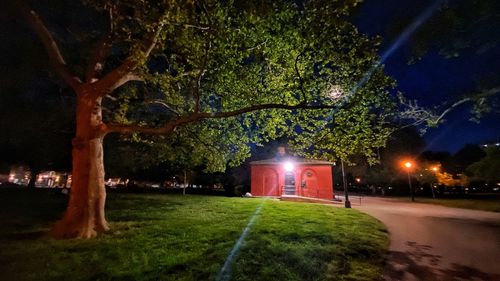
{"x": 434, "y": 79}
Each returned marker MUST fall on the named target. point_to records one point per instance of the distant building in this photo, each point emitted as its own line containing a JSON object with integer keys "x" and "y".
{"x": 283, "y": 176}
{"x": 53, "y": 179}
{"x": 20, "y": 175}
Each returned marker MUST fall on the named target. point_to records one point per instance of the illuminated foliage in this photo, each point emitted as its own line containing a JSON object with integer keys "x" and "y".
{"x": 217, "y": 57}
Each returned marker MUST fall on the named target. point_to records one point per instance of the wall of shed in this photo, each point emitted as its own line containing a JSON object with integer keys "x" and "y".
{"x": 313, "y": 181}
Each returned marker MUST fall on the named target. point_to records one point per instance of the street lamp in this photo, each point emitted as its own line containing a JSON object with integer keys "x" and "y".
{"x": 435, "y": 169}
{"x": 347, "y": 203}
{"x": 408, "y": 166}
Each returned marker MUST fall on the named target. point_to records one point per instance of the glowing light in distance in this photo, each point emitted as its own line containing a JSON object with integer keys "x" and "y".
{"x": 408, "y": 164}
{"x": 288, "y": 166}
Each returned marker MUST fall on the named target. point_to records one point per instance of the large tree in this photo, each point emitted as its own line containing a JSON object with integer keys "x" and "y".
{"x": 205, "y": 79}
{"x": 486, "y": 169}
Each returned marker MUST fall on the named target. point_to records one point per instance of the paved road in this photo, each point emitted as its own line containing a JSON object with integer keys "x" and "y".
{"x": 431, "y": 242}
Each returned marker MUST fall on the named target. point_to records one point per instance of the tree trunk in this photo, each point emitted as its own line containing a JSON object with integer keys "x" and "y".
{"x": 84, "y": 216}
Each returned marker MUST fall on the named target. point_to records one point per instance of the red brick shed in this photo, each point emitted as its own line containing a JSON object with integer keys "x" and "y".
{"x": 292, "y": 177}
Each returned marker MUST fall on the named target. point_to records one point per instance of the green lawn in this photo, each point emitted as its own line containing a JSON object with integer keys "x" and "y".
{"x": 490, "y": 204}
{"x": 174, "y": 237}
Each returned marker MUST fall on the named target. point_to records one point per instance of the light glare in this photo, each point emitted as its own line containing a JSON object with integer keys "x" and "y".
{"x": 288, "y": 166}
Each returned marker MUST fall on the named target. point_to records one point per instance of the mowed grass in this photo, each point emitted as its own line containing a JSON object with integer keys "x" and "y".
{"x": 488, "y": 204}
{"x": 174, "y": 237}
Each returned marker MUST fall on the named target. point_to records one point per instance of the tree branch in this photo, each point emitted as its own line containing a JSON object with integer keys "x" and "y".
{"x": 422, "y": 115}
{"x": 301, "y": 82}
{"x": 96, "y": 59}
{"x": 122, "y": 74}
{"x": 127, "y": 78}
{"x": 194, "y": 26}
{"x": 55, "y": 56}
{"x": 195, "y": 117}
{"x": 449, "y": 109}
{"x": 482, "y": 95}
{"x": 160, "y": 102}
{"x": 197, "y": 95}
{"x": 133, "y": 128}
{"x": 208, "y": 45}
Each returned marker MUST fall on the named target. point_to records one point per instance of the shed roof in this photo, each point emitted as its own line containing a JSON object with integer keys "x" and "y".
{"x": 297, "y": 161}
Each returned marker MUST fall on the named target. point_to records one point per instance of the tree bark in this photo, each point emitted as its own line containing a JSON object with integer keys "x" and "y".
{"x": 84, "y": 216}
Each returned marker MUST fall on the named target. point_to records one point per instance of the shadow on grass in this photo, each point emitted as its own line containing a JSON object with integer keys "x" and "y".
{"x": 26, "y": 214}
{"x": 119, "y": 201}
{"x": 24, "y": 236}
{"x": 31, "y": 204}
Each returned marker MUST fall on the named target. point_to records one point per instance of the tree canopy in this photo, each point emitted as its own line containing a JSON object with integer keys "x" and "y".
{"x": 486, "y": 169}
{"x": 207, "y": 78}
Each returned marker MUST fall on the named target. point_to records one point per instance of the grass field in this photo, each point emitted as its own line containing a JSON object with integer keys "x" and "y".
{"x": 485, "y": 204}
{"x": 173, "y": 237}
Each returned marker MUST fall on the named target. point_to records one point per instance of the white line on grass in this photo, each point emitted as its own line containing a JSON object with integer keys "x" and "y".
{"x": 225, "y": 271}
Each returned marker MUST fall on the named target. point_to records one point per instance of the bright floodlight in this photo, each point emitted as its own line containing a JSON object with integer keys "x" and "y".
{"x": 408, "y": 165}
{"x": 288, "y": 166}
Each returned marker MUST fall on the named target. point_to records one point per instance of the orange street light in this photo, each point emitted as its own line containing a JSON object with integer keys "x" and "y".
{"x": 435, "y": 169}
{"x": 408, "y": 166}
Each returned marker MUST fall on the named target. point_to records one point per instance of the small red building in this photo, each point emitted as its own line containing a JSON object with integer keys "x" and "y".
{"x": 292, "y": 177}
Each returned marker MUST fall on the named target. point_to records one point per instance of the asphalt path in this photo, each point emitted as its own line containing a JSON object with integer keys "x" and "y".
{"x": 432, "y": 242}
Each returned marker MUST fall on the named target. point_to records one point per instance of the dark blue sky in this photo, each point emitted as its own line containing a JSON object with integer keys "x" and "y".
{"x": 434, "y": 79}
